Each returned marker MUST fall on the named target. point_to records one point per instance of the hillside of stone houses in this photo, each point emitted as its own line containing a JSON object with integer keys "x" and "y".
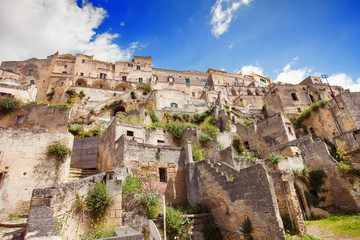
{"x": 241, "y": 148}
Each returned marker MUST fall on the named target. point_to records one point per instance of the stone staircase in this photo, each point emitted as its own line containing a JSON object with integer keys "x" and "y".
{"x": 13, "y": 229}
{"x": 77, "y": 173}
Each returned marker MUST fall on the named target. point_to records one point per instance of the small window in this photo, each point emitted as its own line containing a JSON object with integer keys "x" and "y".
{"x": 187, "y": 81}
{"x": 101, "y": 86}
{"x": 138, "y": 67}
{"x": 79, "y": 84}
{"x": 162, "y": 174}
{"x": 294, "y": 97}
{"x": 193, "y": 94}
{"x": 204, "y": 82}
{"x": 31, "y": 72}
{"x": 312, "y": 98}
{"x": 130, "y": 133}
{"x": 140, "y": 80}
{"x": 123, "y": 78}
{"x": 65, "y": 66}
{"x": 20, "y": 119}
{"x": 81, "y": 74}
{"x": 160, "y": 141}
{"x": 102, "y": 75}
{"x": 83, "y": 61}
{"x": 155, "y": 79}
{"x": 289, "y": 128}
{"x": 32, "y": 82}
{"x": 171, "y": 80}
{"x": 64, "y": 72}
{"x": 262, "y": 80}
{"x": 174, "y": 105}
{"x": 130, "y": 65}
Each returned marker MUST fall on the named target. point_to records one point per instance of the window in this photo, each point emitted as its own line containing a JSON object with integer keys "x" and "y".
{"x": 101, "y": 86}
{"x": 174, "y": 105}
{"x": 262, "y": 80}
{"x": 64, "y": 72}
{"x": 83, "y": 61}
{"x": 251, "y": 105}
{"x": 65, "y": 66}
{"x": 187, "y": 81}
{"x": 138, "y": 67}
{"x": 31, "y": 72}
{"x": 160, "y": 141}
{"x": 294, "y": 97}
{"x": 312, "y": 98}
{"x": 171, "y": 80}
{"x": 214, "y": 99}
{"x": 140, "y": 80}
{"x": 32, "y": 82}
{"x": 155, "y": 79}
{"x": 130, "y": 133}
{"x": 289, "y": 128}
{"x": 204, "y": 82}
{"x": 20, "y": 119}
{"x": 162, "y": 174}
{"x": 130, "y": 65}
{"x": 102, "y": 75}
{"x": 81, "y": 74}
{"x": 123, "y": 78}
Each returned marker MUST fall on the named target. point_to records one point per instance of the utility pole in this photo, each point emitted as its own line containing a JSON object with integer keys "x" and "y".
{"x": 332, "y": 93}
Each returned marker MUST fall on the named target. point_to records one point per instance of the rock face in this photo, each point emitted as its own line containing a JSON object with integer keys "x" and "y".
{"x": 134, "y": 214}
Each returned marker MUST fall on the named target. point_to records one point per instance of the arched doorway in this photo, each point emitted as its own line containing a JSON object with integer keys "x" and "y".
{"x": 81, "y": 83}
{"x": 118, "y": 109}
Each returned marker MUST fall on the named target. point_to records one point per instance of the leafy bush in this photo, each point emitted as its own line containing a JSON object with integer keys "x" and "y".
{"x": 197, "y": 152}
{"x": 238, "y": 145}
{"x": 274, "y": 157}
{"x": 247, "y": 226}
{"x": 176, "y": 226}
{"x": 186, "y": 208}
{"x": 92, "y": 111}
{"x": 93, "y": 132}
{"x": 211, "y": 120}
{"x": 62, "y": 106}
{"x": 130, "y": 184}
{"x": 82, "y": 94}
{"x": 200, "y": 117}
{"x": 116, "y": 103}
{"x": 316, "y": 178}
{"x": 76, "y": 131}
{"x": 177, "y": 117}
{"x": 149, "y": 195}
{"x": 248, "y": 122}
{"x": 8, "y": 104}
{"x": 204, "y": 137}
{"x": 306, "y": 113}
{"x": 133, "y": 95}
{"x": 186, "y": 117}
{"x": 176, "y": 130}
{"x": 101, "y": 229}
{"x": 211, "y": 231}
{"x": 59, "y": 151}
{"x": 152, "y": 115}
{"x": 146, "y": 87}
{"x": 99, "y": 200}
{"x": 296, "y": 171}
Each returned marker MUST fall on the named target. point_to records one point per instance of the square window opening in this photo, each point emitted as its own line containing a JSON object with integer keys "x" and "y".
{"x": 130, "y": 133}
{"x": 294, "y": 97}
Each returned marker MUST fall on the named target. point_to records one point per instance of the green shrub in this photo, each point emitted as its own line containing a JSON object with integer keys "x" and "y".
{"x": 197, "y": 152}
{"x": 186, "y": 208}
{"x": 210, "y": 130}
{"x": 99, "y": 200}
{"x": 238, "y": 145}
{"x": 153, "y": 211}
{"x": 152, "y": 115}
{"x": 313, "y": 200}
{"x": 306, "y": 113}
{"x": 133, "y": 95}
{"x": 274, "y": 157}
{"x": 177, "y": 117}
{"x": 82, "y": 94}
{"x": 146, "y": 87}
{"x": 204, "y": 137}
{"x": 211, "y": 120}
{"x": 59, "y": 151}
{"x": 248, "y": 122}
{"x": 200, "y": 117}
{"x": 296, "y": 171}
{"x": 62, "y": 106}
{"x": 186, "y": 117}
{"x": 92, "y": 111}
{"x": 93, "y": 132}
{"x": 76, "y": 131}
{"x": 70, "y": 92}
{"x": 176, "y": 226}
{"x": 175, "y": 129}
{"x": 130, "y": 184}
{"x": 317, "y": 179}
{"x": 114, "y": 104}
{"x": 100, "y": 230}
{"x": 8, "y": 104}
{"x": 305, "y": 170}
{"x": 211, "y": 231}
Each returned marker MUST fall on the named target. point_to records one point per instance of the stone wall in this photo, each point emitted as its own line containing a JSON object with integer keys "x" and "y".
{"x": 37, "y": 116}
{"x": 59, "y": 202}
{"x": 250, "y": 193}
{"x": 25, "y": 166}
{"x": 85, "y": 153}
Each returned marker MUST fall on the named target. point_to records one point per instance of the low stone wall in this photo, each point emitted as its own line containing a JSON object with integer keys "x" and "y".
{"x": 48, "y": 204}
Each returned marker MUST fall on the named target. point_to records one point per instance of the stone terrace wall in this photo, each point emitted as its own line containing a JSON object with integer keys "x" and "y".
{"x": 250, "y": 193}
{"x": 50, "y": 203}
{"x": 36, "y": 116}
{"x": 25, "y": 166}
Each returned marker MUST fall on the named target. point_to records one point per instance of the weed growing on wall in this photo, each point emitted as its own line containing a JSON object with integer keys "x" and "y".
{"x": 306, "y": 113}
{"x": 238, "y": 144}
{"x": 152, "y": 115}
{"x": 197, "y": 152}
{"x": 103, "y": 228}
{"x": 146, "y": 87}
{"x": 99, "y": 200}
{"x": 274, "y": 157}
{"x": 130, "y": 184}
{"x": 58, "y": 150}
{"x": 177, "y": 227}
{"x": 8, "y": 104}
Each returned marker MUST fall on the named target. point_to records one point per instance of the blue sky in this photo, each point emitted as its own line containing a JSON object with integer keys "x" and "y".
{"x": 284, "y": 39}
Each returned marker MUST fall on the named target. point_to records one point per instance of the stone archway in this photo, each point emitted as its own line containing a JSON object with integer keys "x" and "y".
{"x": 101, "y": 84}
{"x": 81, "y": 83}
{"x": 118, "y": 109}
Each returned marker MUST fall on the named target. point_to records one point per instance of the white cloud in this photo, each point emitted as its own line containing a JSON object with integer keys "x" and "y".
{"x": 293, "y": 76}
{"x": 222, "y": 14}
{"x": 249, "y": 69}
{"x": 122, "y": 24}
{"x": 37, "y": 28}
{"x": 341, "y": 79}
